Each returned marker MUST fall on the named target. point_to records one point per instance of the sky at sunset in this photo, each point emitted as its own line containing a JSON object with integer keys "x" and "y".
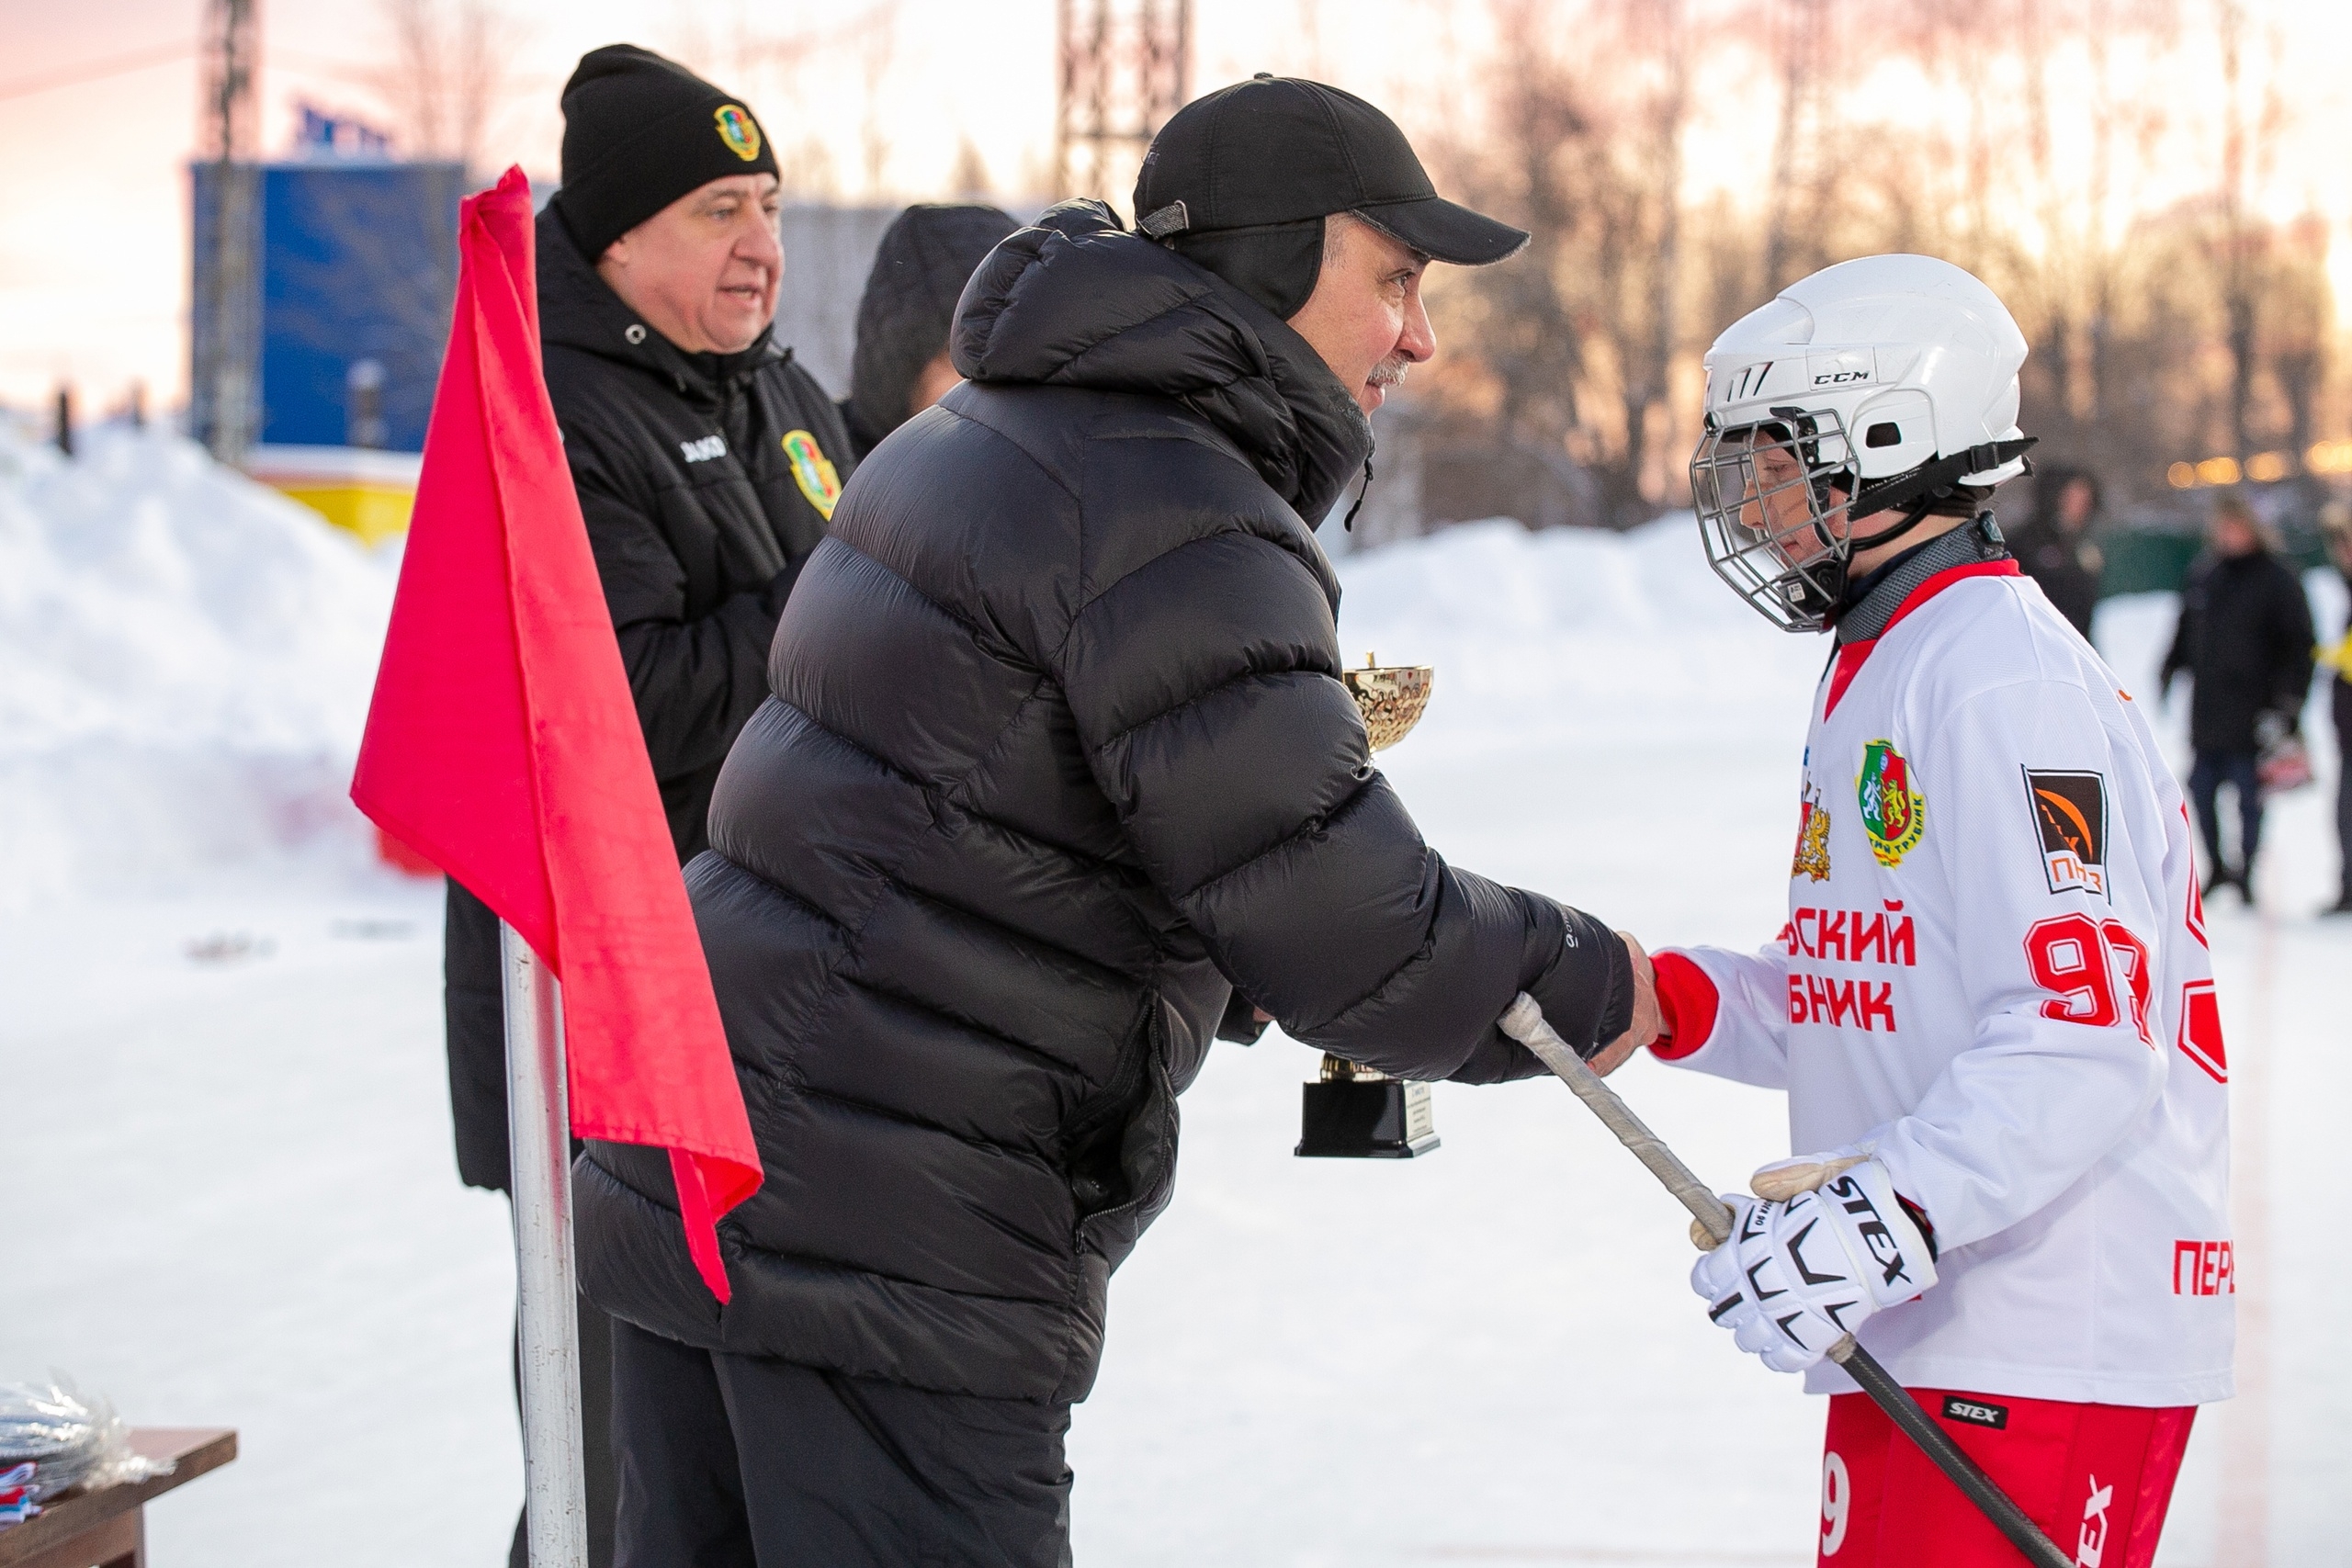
{"x": 94, "y": 230}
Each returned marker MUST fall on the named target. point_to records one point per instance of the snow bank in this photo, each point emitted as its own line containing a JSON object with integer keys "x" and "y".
{"x": 1569, "y": 630}
{"x": 188, "y": 657}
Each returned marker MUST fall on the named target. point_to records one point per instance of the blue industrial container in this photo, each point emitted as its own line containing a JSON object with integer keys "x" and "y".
{"x": 346, "y": 302}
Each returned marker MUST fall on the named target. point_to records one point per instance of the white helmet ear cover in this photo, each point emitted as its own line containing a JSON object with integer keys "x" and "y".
{"x": 1895, "y": 433}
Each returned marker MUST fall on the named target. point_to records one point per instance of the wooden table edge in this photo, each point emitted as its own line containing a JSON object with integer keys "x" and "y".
{"x": 197, "y": 1450}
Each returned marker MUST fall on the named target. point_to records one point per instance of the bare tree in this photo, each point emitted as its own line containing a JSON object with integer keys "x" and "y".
{"x": 968, "y": 177}
{"x": 1797, "y": 143}
{"x": 2298, "y": 326}
{"x": 875, "y": 50}
{"x": 800, "y": 43}
{"x": 1571, "y": 347}
{"x": 447, "y": 75}
{"x": 2052, "y": 124}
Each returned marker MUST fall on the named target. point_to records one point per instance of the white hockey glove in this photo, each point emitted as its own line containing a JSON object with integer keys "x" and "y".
{"x": 1811, "y": 1262}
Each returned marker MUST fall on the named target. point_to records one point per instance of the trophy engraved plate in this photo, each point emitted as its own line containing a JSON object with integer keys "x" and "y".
{"x": 1420, "y": 1123}
{"x": 1352, "y": 1112}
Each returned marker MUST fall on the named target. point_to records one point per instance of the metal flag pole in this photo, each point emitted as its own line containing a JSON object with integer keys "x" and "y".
{"x": 538, "y": 1122}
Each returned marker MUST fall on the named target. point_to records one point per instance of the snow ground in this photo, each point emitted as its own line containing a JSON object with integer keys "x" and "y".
{"x": 242, "y": 1207}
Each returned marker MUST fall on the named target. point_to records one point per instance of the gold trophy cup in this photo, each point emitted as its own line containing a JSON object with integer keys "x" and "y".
{"x": 1392, "y": 697}
{"x": 1353, "y": 1112}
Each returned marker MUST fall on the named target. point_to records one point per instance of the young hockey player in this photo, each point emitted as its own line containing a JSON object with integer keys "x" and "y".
{"x": 1991, "y": 1005}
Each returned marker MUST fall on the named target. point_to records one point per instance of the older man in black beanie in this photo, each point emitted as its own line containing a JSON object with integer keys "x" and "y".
{"x": 706, "y": 463}
{"x": 1058, "y": 774}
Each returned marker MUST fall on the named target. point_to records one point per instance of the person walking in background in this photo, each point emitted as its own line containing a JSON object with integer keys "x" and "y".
{"x": 2244, "y": 637}
{"x": 705, "y": 459}
{"x": 2054, "y": 548}
{"x": 2335, "y": 521}
{"x": 900, "y": 366}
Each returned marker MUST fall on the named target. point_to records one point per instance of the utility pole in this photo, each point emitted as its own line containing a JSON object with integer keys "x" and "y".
{"x": 224, "y": 342}
{"x": 1126, "y": 65}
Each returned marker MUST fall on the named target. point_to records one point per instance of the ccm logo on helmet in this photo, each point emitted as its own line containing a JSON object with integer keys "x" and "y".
{"x": 1840, "y": 378}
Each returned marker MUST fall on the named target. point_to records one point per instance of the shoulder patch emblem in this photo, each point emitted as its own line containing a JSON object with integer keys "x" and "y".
{"x": 2070, "y": 815}
{"x": 1812, "y": 839}
{"x": 739, "y": 130}
{"x": 1894, "y": 815}
{"x": 813, "y": 471}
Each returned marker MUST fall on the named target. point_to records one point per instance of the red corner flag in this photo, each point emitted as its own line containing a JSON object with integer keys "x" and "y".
{"x": 502, "y": 744}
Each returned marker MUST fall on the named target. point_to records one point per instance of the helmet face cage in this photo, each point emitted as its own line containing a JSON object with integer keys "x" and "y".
{"x": 1764, "y": 496}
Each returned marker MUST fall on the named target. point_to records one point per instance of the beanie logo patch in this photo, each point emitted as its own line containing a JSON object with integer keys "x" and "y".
{"x": 813, "y": 471}
{"x": 739, "y": 130}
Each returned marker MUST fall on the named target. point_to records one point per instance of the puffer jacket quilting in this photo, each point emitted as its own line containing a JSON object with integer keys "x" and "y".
{"x": 1057, "y": 756}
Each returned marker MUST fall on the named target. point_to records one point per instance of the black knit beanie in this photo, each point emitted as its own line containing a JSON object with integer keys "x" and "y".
{"x": 640, "y": 132}
{"x": 927, "y": 256}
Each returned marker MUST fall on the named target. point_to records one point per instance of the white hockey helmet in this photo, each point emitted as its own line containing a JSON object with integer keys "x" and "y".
{"x": 1877, "y": 385}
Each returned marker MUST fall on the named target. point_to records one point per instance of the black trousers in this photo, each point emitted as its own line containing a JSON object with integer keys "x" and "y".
{"x": 2340, "y": 702}
{"x": 740, "y": 1461}
{"x": 595, "y": 1438}
{"x": 2210, "y": 770}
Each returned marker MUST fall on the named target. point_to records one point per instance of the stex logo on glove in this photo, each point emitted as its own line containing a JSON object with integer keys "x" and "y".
{"x": 1799, "y": 1273}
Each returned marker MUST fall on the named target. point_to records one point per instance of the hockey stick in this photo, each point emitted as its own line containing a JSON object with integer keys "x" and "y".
{"x": 1524, "y": 1022}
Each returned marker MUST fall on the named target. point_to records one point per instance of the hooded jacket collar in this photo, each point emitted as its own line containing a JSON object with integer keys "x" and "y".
{"x": 579, "y": 309}
{"x": 1077, "y": 301}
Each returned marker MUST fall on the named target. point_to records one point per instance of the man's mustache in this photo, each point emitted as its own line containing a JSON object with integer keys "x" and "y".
{"x": 1390, "y": 372}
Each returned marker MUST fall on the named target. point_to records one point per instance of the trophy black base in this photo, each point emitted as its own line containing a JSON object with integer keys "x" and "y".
{"x": 1385, "y": 1119}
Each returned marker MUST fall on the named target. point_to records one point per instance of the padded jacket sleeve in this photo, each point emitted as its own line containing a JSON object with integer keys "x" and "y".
{"x": 695, "y": 680}
{"x": 1204, "y": 684}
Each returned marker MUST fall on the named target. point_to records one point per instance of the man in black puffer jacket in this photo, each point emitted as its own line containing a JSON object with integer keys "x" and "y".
{"x": 1057, "y": 767}
{"x": 703, "y": 456}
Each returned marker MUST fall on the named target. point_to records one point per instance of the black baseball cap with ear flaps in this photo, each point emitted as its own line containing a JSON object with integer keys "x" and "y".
{"x": 1240, "y": 180}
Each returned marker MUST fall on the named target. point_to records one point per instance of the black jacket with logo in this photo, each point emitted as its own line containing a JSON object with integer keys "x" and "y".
{"x": 1058, "y": 757}
{"x": 705, "y": 480}
{"x": 698, "y": 512}
{"x": 2244, "y": 637}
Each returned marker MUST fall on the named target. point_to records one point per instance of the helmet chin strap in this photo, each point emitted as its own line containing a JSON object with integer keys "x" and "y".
{"x": 1830, "y": 598}
{"x": 1911, "y": 519}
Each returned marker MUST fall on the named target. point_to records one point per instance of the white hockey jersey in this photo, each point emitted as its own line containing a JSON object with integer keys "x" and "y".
{"x": 1994, "y": 977}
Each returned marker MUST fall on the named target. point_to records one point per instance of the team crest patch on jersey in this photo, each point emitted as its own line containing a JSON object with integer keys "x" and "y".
{"x": 1812, "y": 839}
{"x": 813, "y": 471}
{"x": 739, "y": 130}
{"x": 1894, "y": 815}
{"x": 2070, "y": 813}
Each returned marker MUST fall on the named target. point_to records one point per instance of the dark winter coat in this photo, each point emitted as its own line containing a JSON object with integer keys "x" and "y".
{"x": 2067, "y": 568}
{"x": 1058, "y": 756}
{"x": 925, "y": 257}
{"x": 700, "y": 518}
{"x": 2244, "y": 637}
